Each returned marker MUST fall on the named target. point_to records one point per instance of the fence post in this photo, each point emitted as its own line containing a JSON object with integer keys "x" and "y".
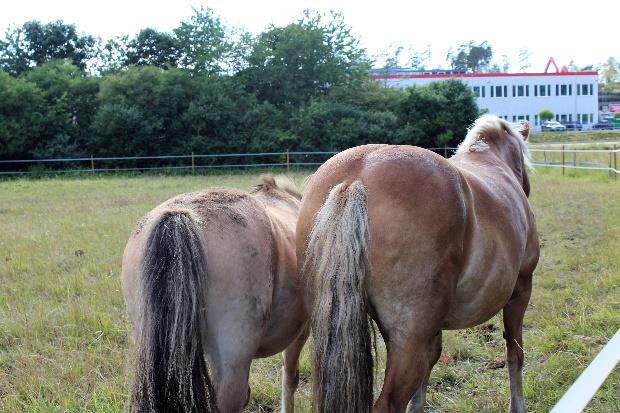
{"x": 610, "y": 169}
{"x": 288, "y": 161}
{"x": 92, "y": 163}
{"x": 615, "y": 163}
{"x": 563, "y": 153}
{"x": 544, "y": 156}
{"x": 192, "y": 162}
{"x": 575, "y": 158}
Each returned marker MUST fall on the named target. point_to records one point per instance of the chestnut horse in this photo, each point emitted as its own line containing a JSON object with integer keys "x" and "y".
{"x": 214, "y": 274}
{"x": 420, "y": 244}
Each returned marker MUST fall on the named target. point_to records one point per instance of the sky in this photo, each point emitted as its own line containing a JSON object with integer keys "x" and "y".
{"x": 586, "y": 33}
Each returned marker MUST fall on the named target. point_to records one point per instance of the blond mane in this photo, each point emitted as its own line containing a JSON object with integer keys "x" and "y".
{"x": 488, "y": 128}
{"x": 281, "y": 183}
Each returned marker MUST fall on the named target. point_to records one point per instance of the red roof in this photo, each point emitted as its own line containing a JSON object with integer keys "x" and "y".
{"x": 475, "y": 75}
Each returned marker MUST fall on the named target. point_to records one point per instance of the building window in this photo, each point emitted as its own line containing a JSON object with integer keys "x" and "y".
{"x": 584, "y": 118}
{"x": 536, "y": 120}
{"x": 520, "y": 90}
{"x": 542, "y": 89}
{"x": 570, "y": 90}
{"x": 563, "y": 90}
{"x": 557, "y": 90}
{"x": 499, "y": 91}
{"x": 477, "y": 91}
{"x": 563, "y": 118}
{"x": 591, "y": 91}
{"x": 591, "y": 116}
{"x": 548, "y": 90}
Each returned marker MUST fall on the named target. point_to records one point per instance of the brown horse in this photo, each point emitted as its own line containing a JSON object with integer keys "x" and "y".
{"x": 420, "y": 244}
{"x": 214, "y": 273}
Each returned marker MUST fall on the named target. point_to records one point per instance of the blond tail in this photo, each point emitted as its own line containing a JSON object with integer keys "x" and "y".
{"x": 336, "y": 263}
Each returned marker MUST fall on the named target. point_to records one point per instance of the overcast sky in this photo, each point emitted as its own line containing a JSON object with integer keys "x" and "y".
{"x": 587, "y": 33}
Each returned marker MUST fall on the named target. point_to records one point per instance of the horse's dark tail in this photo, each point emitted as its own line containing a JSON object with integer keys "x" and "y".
{"x": 337, "y": 262}
{"x": 171, "y": 373}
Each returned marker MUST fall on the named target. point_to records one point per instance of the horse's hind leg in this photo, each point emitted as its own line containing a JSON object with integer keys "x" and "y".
{"x": 232, "y": 389}
{"x": 290, "y": 371}
{"x": 406, "y": 370}
{"x": 416, "y": 404}
{"x": 513, "y": 333}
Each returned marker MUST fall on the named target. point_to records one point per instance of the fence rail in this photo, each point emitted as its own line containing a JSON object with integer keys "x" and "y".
{"x": 542, "y": 156}
{"x": 583, "y": 389}
{"x": 589, "y": 159}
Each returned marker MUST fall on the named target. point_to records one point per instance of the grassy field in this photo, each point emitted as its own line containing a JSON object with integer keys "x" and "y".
{"x": 64, "y": 343}
{"x": 575, "y": 136}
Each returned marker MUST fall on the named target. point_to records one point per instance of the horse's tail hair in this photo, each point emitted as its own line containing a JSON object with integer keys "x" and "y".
{"x": 336, "y": 264}
{"x": 172, "y": 373}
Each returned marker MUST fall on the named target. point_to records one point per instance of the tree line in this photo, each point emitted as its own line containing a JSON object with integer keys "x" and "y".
{"x": 208, "y": 89}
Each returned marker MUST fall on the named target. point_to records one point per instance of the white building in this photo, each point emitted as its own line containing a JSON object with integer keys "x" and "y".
{"x": 570, "y": 96}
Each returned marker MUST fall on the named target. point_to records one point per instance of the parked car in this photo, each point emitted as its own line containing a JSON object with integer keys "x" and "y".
{"x": 552, "y": 125}
{"x": 603, "y": 126}
{"x": 573, "y": 125}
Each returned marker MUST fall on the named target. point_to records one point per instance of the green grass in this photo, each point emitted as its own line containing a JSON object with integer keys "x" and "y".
{"x": 64, "y": 343}
{"x": 575, "y": 136}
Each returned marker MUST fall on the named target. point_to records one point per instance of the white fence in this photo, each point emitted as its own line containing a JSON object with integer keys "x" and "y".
{"x": 582, "y": 390}
{"x": 558, "y": 156}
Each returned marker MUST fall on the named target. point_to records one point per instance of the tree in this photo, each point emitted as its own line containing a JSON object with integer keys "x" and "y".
{"x": 112, "y": 55}
{"x": 457, "y": 60}
{"x": 359, "y": 113}
{"x": 202, "y": 42}
{"x": 140, "y": 112}
{"x": 393, "y": 57}
{"x": 471, "y": 57}
{"x": 419, "y": 59}
{"x": 505, "y": 63}
{"x": 14, "y": 52}
{"x": 153, "y": 48}
{"x": 524, "y": 60}
{"x": 438, "y": 114}
{"x": 572, "y": 66}
{"x": 278, "y": 72}
{"x": 35, "y": 43}
{"x": 545, "y": 115}
{"x": 21, "y": 111}
{"x": 610, "y": 71}
{"x": 70, "y": 105}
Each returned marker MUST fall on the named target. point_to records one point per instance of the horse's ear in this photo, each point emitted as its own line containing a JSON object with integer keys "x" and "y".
{"x": 524, "y": 130}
